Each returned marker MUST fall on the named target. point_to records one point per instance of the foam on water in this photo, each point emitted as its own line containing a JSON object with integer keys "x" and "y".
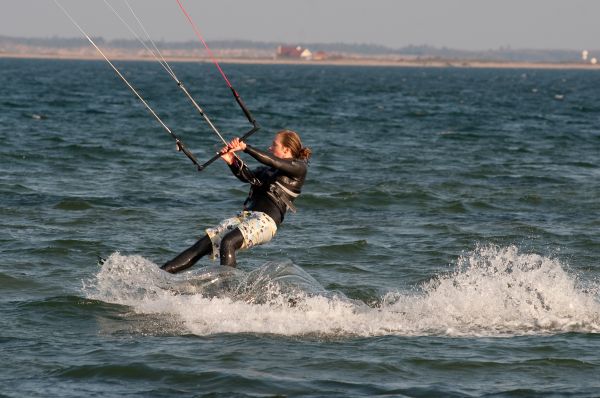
{"x": 493, "y": 291}
{"x": 498, "y": 290}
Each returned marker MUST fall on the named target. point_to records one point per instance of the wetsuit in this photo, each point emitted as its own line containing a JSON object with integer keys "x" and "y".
{"x": 275, "y": 186}
{"x": 273, "y": 190}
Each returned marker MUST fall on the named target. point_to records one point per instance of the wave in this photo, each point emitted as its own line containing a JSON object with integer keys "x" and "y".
{"x": 493, "y": 291}
{"x": 74, "y": 204}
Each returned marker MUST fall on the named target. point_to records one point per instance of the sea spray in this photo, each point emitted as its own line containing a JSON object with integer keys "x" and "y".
{"x": 499, "y": 290}
{"x": 493, "y": 291}
{"x": 126, "y": 280}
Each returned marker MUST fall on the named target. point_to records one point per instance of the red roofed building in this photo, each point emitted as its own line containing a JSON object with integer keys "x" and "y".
{"x": 289, "y": 52}
{"x": 293, "y": 52}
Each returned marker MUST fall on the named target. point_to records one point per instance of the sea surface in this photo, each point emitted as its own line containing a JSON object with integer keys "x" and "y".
{"x": 447, "y": 242}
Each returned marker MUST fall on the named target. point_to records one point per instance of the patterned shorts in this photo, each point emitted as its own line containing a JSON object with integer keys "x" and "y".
{"x": 256, "y": 228}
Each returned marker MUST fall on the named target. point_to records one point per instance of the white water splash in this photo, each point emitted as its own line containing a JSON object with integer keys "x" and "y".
{"x": 497, "y": 291}
{"x": 493, "y": 291}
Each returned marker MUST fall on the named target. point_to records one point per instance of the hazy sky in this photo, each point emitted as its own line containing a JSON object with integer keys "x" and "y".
{"x": 464, "y": 24}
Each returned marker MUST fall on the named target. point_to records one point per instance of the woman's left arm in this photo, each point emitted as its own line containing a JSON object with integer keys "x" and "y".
{"x": 237, "y": 167}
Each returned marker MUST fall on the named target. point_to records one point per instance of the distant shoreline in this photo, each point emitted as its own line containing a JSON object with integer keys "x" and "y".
{"x": 432, "y": 63}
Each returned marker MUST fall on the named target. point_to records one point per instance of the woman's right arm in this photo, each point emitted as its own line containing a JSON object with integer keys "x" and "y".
{"x": 291, "y": 167}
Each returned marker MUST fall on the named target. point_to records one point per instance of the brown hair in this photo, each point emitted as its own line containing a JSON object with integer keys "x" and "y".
{"x": 290, "y": 139}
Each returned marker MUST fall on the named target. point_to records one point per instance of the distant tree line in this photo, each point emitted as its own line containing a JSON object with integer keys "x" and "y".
{"x": 49, "y": 42}
{"x": 419, "y": 51}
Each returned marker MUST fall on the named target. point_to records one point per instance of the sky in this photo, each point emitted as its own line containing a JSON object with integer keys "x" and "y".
{"x": 458, "y": 24}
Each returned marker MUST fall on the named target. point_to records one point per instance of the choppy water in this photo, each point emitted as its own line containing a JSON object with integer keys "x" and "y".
{"x": 447, "y": 242}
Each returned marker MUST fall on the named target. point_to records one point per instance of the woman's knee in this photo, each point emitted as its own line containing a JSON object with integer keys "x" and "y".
{"x": 229, "y": 244}
{"x": 233, "y": 240}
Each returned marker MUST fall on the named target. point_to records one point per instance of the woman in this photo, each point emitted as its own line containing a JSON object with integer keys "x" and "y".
{"x": 273, "y": 188}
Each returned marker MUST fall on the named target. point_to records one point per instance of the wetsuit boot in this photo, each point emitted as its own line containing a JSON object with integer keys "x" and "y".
{"x": 189, "y": 257}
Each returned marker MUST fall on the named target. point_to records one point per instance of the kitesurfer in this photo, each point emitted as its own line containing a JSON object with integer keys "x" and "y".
{"x": 273, "y": 188}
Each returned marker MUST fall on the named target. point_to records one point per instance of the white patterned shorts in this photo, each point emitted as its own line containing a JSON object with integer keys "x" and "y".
{"x": 256, "y": 228}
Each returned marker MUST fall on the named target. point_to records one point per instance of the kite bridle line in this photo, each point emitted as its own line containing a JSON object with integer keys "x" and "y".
{"x": 180, "y": 144}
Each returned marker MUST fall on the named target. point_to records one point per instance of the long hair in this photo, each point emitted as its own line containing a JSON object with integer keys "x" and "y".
{"x": 290, "y": 139}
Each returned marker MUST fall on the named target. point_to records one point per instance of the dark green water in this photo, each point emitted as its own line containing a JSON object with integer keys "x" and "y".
{"x": 451, "y": 223}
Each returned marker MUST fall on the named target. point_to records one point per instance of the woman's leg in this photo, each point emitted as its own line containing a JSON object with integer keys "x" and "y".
{"x": 189, "y": 256}
{"x": 229, "y": 244}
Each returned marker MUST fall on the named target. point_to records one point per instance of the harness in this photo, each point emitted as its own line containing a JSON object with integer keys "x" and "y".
{"x": 281, "y": 193}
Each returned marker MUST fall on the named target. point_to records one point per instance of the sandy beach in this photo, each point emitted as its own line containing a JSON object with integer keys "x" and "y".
{"x": 350, "y": 61}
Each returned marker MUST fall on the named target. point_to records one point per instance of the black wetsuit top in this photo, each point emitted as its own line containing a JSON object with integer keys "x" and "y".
{"x": 275, "y": 186}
